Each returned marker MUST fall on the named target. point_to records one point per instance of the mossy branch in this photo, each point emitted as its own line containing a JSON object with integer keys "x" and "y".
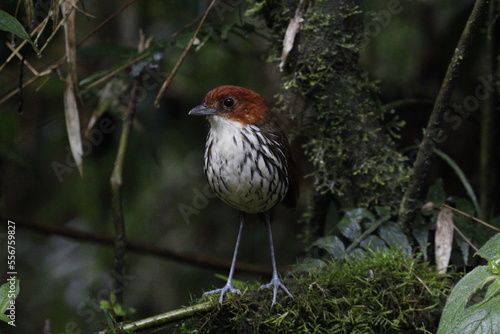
{"x": 392, "y": 293}
{"x": 164, "y": 319}
{"x": 433, "y": 131}
{"x": 380, "y": 292}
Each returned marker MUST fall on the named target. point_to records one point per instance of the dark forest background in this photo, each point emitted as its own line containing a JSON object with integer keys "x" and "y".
{"x": 166, "y": 203}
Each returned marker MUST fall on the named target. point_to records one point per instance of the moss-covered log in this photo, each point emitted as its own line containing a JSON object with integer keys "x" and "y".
{"x": 377, "y": 293}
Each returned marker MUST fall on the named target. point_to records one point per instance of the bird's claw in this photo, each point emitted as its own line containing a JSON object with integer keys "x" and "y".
{"x": 276, "y": 284}
{"x": 227, "y": 288}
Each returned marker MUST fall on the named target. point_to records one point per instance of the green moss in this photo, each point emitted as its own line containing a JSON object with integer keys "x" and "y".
{"x": 378, "y": 293}
{"x": 353, "y": 153}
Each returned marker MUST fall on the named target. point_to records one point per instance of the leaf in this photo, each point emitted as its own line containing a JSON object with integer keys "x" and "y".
{"x": 332, "y": 245}
{"x": 4, "y": 295}
{"x": 308, "y": 265}
{"x": 420, "y": 232}
{"x": 436, "y": 193}
{"x": 373, "y": 243}
{"x": 73, "y": 123}
{"x": 493, "y": 289}
{"x": 491, "y": 248}
{"x": 464, "y": 224}
{"x": 350, "y": 226}
{"x": 120, "y": 310}
{"x": 443, "y": 239}
{"x": 392, "y": 234}
{"x": 104, "y": 305}
{"x": 3, "y": 317}
{"x": 112, "y": 298}
{"x": 356, "y": 253}
{"x": 383, "y": 213}
{"x": 4, "y": 299}
{"x": 11, "y": 24}
{"x": 480, "y": 318}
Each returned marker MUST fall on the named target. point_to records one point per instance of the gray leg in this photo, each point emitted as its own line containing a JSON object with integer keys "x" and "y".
{"x": 275, "y": 281}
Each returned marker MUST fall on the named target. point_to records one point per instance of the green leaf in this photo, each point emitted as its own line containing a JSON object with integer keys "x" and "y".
{"x": 464, "y": 224}
{"x": 356, "y": 253}
{"x": 483, "y": 317}
{"x": 3, "y": 317}
{"x": 373, "y": 243}
{"x": 11, "y": 24}
{"x": 492, "y": 289}
{"x": 420, "y": 232}
{"x": 4, "y": 299}
{"x": 332, "y": 244}
{"x": 350, "y": 226}
{"x": 436, "y": 193}
{"x": 309, "y": 265}
{"x": 383, "y": 213}
{"x": 491, "y": 248}
{"x": 112, "y": 298}
{"x": 104, "y": 305}
{"x": 4, "y": 295}
{"x": 120, "y": 310}
{"x": 392, "y": 234}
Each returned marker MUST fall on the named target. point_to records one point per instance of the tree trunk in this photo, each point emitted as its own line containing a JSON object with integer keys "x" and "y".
{"x": 353, "y": 155}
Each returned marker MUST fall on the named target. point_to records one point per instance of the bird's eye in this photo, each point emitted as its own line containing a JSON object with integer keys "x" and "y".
{"x": 228, "y": 102}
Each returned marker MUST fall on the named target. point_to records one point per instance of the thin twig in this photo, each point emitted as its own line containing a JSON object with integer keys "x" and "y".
{"x": 433, "y": 129}
{"x": 118, "y": 70}
{"x": 48, "y": 71}
{"x": 465, "y": 238}
{"x": 472, "y": 217}
{"x": 59, "y": 25}
{"x": 116, "y": 194}
{"x": 419, "y": 279}
{"x": 106, "y": 21}
{"x": 51, "y": 68}
{"x": 365, "y": 234}
{"x": 193, "y": 259}
{"x": 183, "y": 55}
{"x": 164, "y": 318}
{"x": 40, "y": 28}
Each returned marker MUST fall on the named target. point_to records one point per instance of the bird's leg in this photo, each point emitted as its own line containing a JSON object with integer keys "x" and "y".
{"x": 275, "y": 281}
{"x": 229, "y": 285}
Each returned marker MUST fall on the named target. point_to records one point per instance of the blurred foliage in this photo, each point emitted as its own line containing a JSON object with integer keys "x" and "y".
{"x": 404, "y": 59}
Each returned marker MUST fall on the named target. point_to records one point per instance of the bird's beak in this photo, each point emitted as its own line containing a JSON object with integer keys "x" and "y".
{"x": 203, "y": 110}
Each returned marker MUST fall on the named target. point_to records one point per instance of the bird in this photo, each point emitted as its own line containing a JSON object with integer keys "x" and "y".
{"x": 248, "y": 164}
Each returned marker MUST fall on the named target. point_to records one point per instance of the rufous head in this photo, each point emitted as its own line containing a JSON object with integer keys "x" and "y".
{"x": 235, "y": 104}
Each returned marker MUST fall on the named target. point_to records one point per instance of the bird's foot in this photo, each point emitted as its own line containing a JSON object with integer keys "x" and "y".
{"x": 227, "y": 288}
{"x": 276, "y": 284}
